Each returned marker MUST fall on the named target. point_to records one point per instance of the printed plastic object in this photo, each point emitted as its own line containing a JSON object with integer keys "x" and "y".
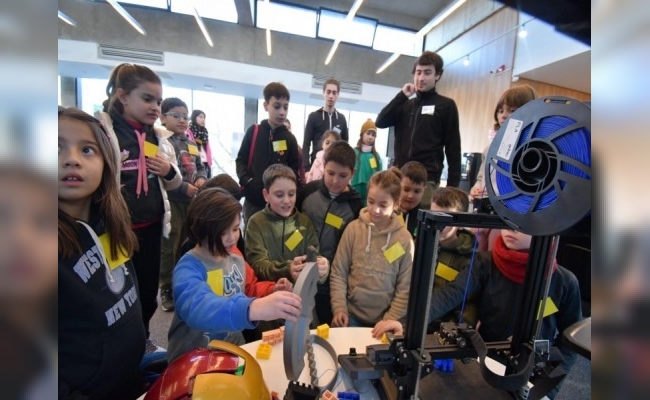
{"x": 211, "y": 374}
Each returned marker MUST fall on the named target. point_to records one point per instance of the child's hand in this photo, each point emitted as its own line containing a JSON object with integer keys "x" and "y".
{"x": 340, "y": 319}
{"x": 323, "y": 266}
{"x": 277, "y": 305}
{"x": 199, "y": 182}
{"x": 296, "y": 266}
{"x": 191, "y": 190}
{"x": 158, "y": 165}
{"x": 477, "y": 192}
{"x": 389, "y": 325}
{"x": 283, "y": 284}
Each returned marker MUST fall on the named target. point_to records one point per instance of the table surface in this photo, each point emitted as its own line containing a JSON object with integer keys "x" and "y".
{"x": 341, "y": 339}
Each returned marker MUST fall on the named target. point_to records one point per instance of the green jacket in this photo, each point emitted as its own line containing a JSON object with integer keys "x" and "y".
{"x": 269, "y": 238}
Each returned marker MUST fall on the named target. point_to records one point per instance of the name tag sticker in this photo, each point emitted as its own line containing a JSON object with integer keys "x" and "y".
{"x": 446, "y": 272}
{"x": 334, "y": 220}
{"x": 373, "y": 163}
{"x": 150, "y": 149}
{"x": 337, "y": 129}
{"x": 113, "y": 263}
{"x": 428, "y": 110}
{"x": 294, "y": 240}
{"x": 394, "y": 252}
{"x": 192, "y": 149}
{"x": 279, "y": 145}
{"x": 215, "y": 281}
{"x": 549, "y": 308}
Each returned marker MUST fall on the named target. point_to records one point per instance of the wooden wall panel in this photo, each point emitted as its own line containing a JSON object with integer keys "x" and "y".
{"x": 545, "y": 89}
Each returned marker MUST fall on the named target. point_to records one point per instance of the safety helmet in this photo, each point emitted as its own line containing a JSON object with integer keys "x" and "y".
{"x": 213, "y": 373}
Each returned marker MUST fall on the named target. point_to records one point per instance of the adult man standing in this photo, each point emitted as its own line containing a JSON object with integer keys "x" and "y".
{"x": 426, "y": 126}
{"x": 324, "y": 119}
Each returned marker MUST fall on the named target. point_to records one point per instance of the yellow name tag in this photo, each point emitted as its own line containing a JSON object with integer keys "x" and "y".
{"x": 394, "y": 252}
{"x": 150, "y": 149}
{"x": 373, "y": 162}
{"x": 192, "y": 149}
{"x": 294, "y": 240}
{"x": 549, "y": 308}
{"x": 215, "y": 281}
{"x": 334, "y": 220}
{"x": 113, "y": 263}
{"x": 446, "y": 272}
{"x": 279, "y": 145}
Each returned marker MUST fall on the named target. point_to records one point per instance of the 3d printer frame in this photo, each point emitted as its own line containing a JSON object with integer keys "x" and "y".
{"x": 406, "y": 360}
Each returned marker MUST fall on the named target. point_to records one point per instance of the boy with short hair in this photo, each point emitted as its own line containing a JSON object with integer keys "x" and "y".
{"x": 278, "y": 236}
{"x": 414, "y": 182}
{"x": 272, "y": 144}
{"x": 331, "y": 203}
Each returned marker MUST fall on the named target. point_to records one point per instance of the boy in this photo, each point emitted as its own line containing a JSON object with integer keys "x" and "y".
{"x": 174, "y": 118}
{"x": 497, "y": 279}
{"x": 414, "y": 182}
{"x": 331, "y": 203}
{"x": 268, "y": 143}
{"x": 278, "y": 236}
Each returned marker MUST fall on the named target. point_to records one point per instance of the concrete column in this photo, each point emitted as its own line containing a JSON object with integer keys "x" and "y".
{"x": 69, "y": 92}
{"x": 250, "y": 112}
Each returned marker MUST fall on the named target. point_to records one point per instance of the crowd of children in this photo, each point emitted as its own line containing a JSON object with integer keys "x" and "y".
{"x": 139, "y": 212}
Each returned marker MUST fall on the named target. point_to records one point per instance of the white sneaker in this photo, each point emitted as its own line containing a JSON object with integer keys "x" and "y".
{"x": 152, "y": 347}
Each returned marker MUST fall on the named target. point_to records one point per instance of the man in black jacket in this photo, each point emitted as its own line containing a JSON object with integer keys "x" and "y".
{"x": 426, "y": 126}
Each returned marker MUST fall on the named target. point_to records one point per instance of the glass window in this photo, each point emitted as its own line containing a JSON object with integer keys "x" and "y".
{"x": 222, "y": 10}
{"x": 360, "y": 30}
{"x": 224, "y": 120}
{"x": 395, "y": 40}
{"x": 276, "y": 17}
{"x": 93, "y": 93}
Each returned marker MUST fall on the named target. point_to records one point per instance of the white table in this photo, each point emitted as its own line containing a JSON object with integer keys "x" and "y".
{"x": 341, "y": 340}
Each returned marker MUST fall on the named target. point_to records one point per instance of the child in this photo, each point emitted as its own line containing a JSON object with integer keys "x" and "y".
{"x": 199, "y": 134}
{"x": 508, "y": 103}
{"x": 148, "y": 169}
{"x": 268, "y": 143}
{"x": 414, "y": 182}
{"x": 217, "y": 292}
{"x": 278, "y": 236}
{"x": 174, "y": 118}
{"x": 371, "y": 273}
{"x": 368, "y": 161}
{"x": 331, "y": 204}
{"x": 316, "y": 171}
{"x": 101, "y": 335}
{"x": 496, "y": 278}
{"x": 455, "y": 254}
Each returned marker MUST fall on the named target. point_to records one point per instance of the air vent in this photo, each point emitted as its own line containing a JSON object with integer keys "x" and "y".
{"x": 346, "y": 86}
{"x": 130, "y": 55}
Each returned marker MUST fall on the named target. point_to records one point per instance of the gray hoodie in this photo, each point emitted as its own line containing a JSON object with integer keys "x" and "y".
{"x": 365, "y": 281}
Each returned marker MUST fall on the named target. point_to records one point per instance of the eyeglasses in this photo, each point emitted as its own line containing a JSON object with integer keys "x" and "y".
{"x": 177, "y": 115}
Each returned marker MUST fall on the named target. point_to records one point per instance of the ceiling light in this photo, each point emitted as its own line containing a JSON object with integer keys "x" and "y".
{"x": 387, "y": 63}
{"x": 66, "y": 19}
{"x": 268, "y": 39}
{"x": 523, "y": 32}
{"x": 199, "y": 21}
{"x": 348, "y": 19}
{"x": 135, "y": 24}
{"x": 466, "y": 60}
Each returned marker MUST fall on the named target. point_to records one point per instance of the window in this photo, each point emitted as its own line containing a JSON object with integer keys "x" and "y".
{"x": 395, "y": 40}
{"x": 286, "y": 18}
{"x": 360, "y": 30}
{"x": 92, "y": 93}
{"x": 147, "y": 3}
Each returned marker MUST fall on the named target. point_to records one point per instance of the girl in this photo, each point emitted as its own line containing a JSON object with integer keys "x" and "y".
{"x": 199, "y": 133}
{"x": 316, "y": 171}
{"x": 101, "y": 335}
{"x": 371, "y": 272}
{"x": 217, "y": 293}
{"x": 147, "y": 169}
{"x": 368, "y": 160}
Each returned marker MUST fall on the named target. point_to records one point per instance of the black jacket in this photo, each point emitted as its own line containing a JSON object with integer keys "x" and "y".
{"x": 426, "y": 130}
{"x": 264, "y": 155}
{"x": 318, "y": 122}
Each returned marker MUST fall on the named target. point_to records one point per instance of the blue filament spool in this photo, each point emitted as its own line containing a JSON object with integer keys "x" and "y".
{"x": 540, "y": 166}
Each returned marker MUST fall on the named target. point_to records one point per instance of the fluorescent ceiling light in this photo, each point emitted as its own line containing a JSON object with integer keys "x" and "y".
{"x": 126, "y": 16}
{"x": 268, "y": 35}
{"x": 428, "y": 27}
{"x": 348, "y": 18}
{"x": 199, "y": 21}
{"x": 66, "y": 19}
{"x": 388, "y": 62}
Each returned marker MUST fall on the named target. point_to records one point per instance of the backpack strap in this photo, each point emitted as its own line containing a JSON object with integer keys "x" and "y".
{"x": 252, "y": 149}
